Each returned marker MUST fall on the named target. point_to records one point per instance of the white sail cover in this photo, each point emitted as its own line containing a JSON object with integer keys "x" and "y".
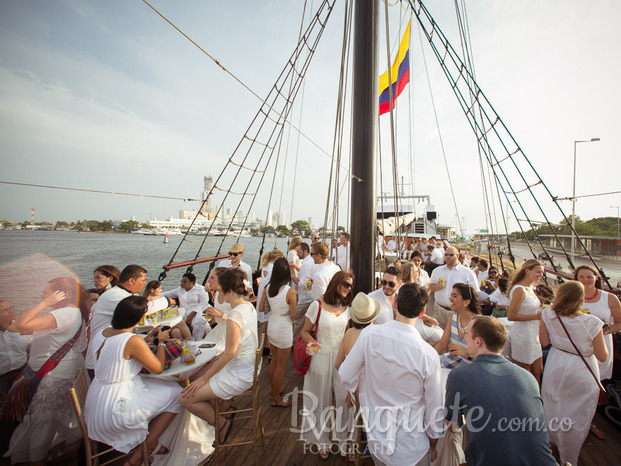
{"x": 389, "y": 225}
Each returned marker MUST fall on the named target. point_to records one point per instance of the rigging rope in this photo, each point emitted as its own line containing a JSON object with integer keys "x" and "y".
{"x": 244, "y": 85}
{"x": 153, "y": 196}
{"x": 435, "y": 113}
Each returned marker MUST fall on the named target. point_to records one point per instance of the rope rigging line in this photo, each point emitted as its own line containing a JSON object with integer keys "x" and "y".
{"x": 96, "y": 191}
{"x": 435, "y": 113}
{"x": 257, "y": 125}
{"x": 245, "y": 86}
{"x": 393, "y": 149}
{"x": 333, "y": 179}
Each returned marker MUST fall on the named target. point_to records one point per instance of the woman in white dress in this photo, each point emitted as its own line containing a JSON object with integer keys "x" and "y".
{"x": 283, "y": 304}
{"x": 233, "y": 372}
{"x": 267, "y": 263}
{"x": 322, "y": 379}
{"x": 524, "y": 310}
{"x": 419, "y": 275}
{"x": 292, "y": 255}
{"x": 123, "y": 409}
{"x": 569, "y": 390}
{"x": 607, "y": 308}
{"x": 50, "y": 421}
{"x": 219, "y": 310}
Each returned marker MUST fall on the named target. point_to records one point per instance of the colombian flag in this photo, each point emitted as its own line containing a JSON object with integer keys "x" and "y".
{"x": 400, "y": 74}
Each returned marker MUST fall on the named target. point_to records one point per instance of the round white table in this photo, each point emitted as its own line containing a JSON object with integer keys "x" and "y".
{"x": 179, "y": 372}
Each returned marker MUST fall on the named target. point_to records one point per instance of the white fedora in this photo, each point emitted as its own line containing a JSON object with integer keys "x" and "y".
{"x": 363, "y": 309}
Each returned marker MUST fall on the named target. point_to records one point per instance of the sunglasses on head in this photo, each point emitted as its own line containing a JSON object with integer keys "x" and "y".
{"x": 346, "y": 285}
{"x": 234, "y": 254}
{"x": 390, "y": 284}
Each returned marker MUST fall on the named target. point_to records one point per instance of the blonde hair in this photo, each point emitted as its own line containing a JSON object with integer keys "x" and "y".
{"x": 274, "y": 254}
{"x": 321, "y": 248}
{"x": 263, "y": 260}
{"x": 530, "y": 264}
{"x": 294, "y": 243}
{"x": 569, "y": 298}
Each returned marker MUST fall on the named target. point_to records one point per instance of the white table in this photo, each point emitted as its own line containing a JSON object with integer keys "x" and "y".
{"x": 188, "y": 437}
{"x": 178, "y": 371}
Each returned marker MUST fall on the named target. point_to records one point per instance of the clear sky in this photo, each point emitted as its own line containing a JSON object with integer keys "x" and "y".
{"x": 107, "y": 96}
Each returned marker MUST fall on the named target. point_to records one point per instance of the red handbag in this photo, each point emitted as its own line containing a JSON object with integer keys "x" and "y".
{"x": 300, "y": 358}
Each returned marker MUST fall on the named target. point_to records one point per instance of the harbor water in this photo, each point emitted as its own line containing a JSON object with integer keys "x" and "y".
{"x": 28, "y": 259}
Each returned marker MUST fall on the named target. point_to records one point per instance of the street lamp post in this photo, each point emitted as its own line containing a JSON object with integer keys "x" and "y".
{"x": 618, "y": 230}
{"x": 573, "y": 200}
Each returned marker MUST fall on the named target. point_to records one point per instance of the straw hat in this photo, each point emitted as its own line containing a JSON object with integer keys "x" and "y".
{"x": 237, "y": 247}
{"x": 363, "y": 309}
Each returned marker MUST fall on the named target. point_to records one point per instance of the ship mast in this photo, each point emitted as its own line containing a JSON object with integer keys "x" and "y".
{"x": 364, "y": 142}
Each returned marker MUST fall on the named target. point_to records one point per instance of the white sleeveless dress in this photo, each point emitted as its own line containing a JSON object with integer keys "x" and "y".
{"x": 280, "y": 327}
{"x": 218, "y": 334}
{"x": 120, "y": 403}
{"x": 236, "y": 377}
{"x": 525, "y": 346}
{"x": 601, "y": 310}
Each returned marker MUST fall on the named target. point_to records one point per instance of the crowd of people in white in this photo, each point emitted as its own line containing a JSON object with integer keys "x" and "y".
{"x": 444, "y": 332}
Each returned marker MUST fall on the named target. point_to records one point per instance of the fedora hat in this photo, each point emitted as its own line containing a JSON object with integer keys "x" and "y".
{"x": 237, "y": 247}
{"x": 363, "y": 309}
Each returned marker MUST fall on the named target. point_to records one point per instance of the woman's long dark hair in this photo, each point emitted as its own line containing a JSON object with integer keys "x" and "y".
{"x": 281, "y": 274}
{"x": 332, "y": 295}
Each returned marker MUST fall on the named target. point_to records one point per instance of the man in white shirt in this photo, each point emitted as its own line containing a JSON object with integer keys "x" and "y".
{"x": 342, "y": 252}
{"x": 386, "y": 295}
{"x": 132, "y": 280}
{"x": 400, "y": 385}
{"x": 235, "y": 261}
{"x": 324, "y": 270}
{"x": 392, "y": 245}
{"x": 442, "y": 281}
{"x": 13, "y": 349}
{"x": 304, "y": 286}
{"x": 194, "y": 299}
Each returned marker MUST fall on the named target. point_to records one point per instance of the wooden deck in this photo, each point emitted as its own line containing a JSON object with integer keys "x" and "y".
{"x": 282, "y": 446}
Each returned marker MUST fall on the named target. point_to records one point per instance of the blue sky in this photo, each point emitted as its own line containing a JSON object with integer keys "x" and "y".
{"x": 107, "y": 96}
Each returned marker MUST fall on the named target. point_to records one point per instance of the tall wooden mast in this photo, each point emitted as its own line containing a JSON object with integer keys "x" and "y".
{"x": 364, "y": 142}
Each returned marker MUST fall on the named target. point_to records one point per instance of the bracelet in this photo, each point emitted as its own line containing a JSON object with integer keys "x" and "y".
{"x": 161, "y": 345}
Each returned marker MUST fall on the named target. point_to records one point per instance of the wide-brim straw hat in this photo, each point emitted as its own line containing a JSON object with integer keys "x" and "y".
{"x": 364, "y": 310}
{"x": 237, "y": 247}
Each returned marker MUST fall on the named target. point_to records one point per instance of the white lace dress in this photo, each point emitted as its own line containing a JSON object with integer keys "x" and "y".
{"x": 322, "y": 379}
{"x": 568, "y": 389}
{"x": 525, "y": 346}
{"x": 50, "y": 419}
{"x": 120, "y": 403}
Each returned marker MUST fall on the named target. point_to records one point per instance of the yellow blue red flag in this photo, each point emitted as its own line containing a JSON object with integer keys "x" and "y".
{"x": 399, "y": 72}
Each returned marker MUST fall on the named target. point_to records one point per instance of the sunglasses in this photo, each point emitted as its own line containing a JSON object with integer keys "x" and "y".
{"x": 450, "y": 254}
{"x": 390, "y": 284}
{"x": 234, "y": 254}
{"x": 346, "y": 285}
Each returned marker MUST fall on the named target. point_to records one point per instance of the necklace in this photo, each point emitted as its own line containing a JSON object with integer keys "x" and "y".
{"x": 459, "y": 327}
{"x": 592, "y": 297}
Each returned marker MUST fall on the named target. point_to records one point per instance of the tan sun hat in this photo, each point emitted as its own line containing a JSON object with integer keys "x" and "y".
{"x": 364, "y": 310}
{"x": 237, "y": 247}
